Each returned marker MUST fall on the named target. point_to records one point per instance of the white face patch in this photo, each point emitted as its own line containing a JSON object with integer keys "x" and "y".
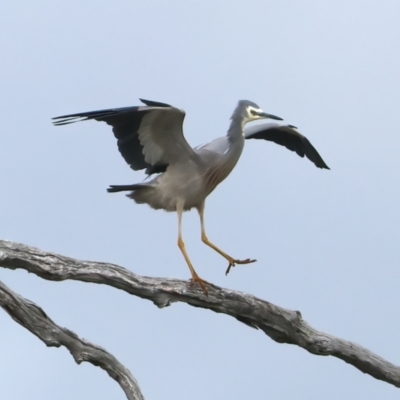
{"x": 253, "y": 112}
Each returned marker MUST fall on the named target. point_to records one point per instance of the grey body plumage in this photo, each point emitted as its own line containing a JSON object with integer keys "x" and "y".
{"x": 151, "y": 138}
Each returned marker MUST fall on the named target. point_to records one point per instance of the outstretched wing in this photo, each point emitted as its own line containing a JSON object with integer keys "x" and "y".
{"x": 149, "y": 137}
{"x": 288, "y": 136}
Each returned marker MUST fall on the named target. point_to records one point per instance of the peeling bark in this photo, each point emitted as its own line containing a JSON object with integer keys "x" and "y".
{"x": 280, "y": 324}
{"x": 33, "y": 318}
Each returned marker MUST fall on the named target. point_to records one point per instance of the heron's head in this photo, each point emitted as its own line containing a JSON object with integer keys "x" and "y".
{"x": 249, "y": 111}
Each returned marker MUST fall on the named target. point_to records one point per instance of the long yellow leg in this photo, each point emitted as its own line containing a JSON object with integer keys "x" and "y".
{"x": 181, "y": 245}
{"x": 232, "y": 261}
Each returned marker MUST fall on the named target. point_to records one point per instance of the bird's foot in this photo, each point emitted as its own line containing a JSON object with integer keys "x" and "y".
{"x": 233, "y": 262}
{"x": 201, "y": 282}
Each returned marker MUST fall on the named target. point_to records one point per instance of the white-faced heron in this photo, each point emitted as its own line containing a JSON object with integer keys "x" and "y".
{"x": 151, "y": 137}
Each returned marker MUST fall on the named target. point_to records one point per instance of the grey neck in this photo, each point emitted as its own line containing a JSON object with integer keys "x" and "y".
{"x": 236, "y": 129}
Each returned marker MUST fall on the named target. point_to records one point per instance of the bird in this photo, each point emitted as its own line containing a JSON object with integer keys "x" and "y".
{"x": 150, "y": 138}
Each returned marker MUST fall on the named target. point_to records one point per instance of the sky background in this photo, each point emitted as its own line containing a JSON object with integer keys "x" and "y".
{"x": 327, "y": 242}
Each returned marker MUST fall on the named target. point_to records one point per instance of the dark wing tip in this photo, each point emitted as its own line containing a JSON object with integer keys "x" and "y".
{"x": 324, "y": 166}
{"x": 289, "y": 137}
{"x": 312, "y": 154}
{"x": 152, "y": 103}
{"x": 66, "y": 119}
{"x": 98, "y": 115}
{"x": 321, "y": 165}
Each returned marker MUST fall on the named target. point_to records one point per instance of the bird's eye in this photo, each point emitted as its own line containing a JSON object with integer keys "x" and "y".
{"x": 253, "y": 112}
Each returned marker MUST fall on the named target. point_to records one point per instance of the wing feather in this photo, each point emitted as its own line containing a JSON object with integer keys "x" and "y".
{"x": 161, "y": 136}
{"x": 288, "y": 136}
{"x": 148, "y": 137}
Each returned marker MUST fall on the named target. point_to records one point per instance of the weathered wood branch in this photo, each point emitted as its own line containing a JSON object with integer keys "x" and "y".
{"x": 281, "y": 325}
{"x": 33, "y": 318}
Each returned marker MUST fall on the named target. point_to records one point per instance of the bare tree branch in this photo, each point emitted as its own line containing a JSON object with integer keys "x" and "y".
{"x": 33, "y": 318}
{"x": 281, "y": 325}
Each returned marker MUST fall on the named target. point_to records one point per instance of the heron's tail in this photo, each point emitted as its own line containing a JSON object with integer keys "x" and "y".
{"x": 141, "y": 193}
{"x": 126, "y": 188}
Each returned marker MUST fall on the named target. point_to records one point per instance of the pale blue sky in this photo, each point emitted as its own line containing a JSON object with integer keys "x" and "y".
{"x": 327, "y": 242}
